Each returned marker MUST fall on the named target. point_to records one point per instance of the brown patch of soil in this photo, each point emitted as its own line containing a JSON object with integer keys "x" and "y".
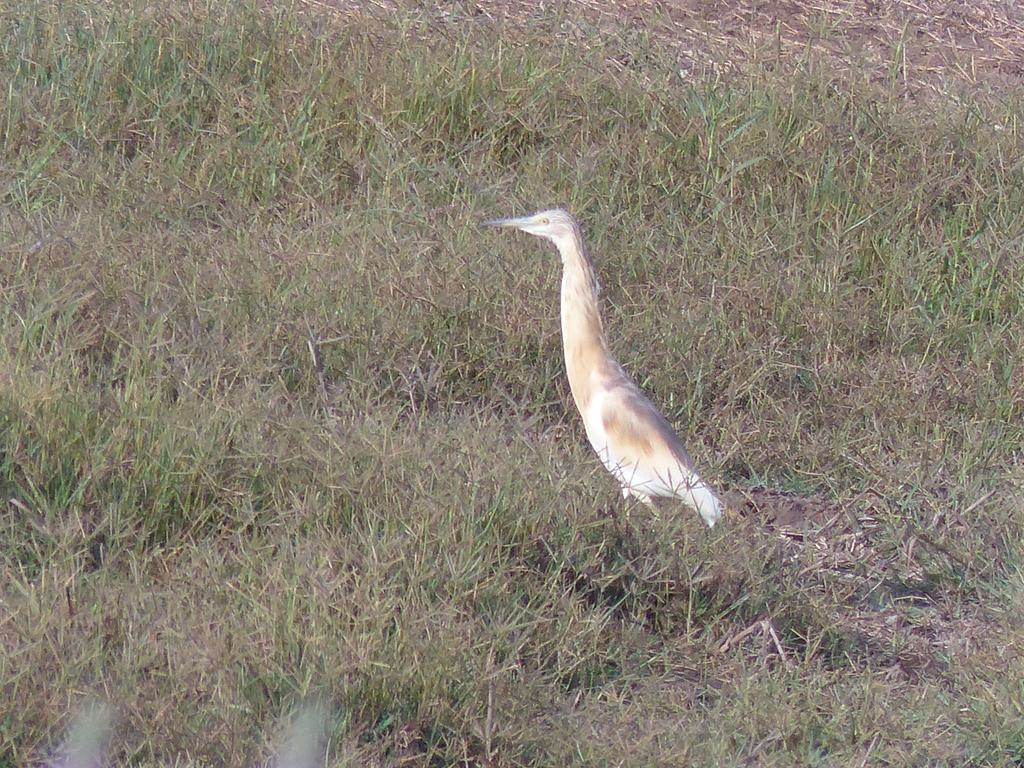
{"x": 880, "y": 600}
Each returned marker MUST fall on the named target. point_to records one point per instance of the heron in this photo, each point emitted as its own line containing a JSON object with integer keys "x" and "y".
{"x": 631, "y": 437}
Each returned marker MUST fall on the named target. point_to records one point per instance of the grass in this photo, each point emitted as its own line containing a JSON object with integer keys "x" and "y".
{"x": 818, "y": 279}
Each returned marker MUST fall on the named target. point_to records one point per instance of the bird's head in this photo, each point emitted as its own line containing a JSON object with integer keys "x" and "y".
{"x": 555, "y": 225}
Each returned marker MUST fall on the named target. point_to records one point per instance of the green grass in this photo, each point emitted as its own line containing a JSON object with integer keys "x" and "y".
{"x": 818, "y": 280}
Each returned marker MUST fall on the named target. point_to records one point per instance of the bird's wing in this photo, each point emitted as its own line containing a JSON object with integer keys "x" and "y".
{"x": 643, "y": 451}
{"x": 640, "y": 434}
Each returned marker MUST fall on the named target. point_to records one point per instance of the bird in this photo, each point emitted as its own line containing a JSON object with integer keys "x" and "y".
{"x": 631, "y": 437}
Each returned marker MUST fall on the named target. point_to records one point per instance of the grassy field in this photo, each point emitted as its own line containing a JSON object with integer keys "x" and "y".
{"x": 819, "y": 279}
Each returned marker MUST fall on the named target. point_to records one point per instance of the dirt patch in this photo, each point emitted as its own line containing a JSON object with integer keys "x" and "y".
{"x": 882, "y": 605}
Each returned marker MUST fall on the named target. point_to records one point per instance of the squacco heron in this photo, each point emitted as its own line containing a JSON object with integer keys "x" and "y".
{"x": 633, "y": 440}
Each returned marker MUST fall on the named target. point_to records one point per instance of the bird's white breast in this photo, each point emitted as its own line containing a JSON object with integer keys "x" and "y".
{"x": 593, "y": 423}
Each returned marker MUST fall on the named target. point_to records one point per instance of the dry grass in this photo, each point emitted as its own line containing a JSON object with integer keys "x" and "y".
{"x": 917, "y": 47}
{"x": 281, "y": 423}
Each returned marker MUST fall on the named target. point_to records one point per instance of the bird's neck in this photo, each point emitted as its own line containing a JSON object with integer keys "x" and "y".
{"x": 583, "y": 340}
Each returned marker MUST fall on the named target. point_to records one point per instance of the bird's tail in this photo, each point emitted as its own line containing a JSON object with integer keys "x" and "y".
{"x": 699, "y": 496}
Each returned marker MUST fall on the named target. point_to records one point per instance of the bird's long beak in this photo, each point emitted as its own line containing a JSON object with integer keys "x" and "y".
{"x": 519, "y": 223}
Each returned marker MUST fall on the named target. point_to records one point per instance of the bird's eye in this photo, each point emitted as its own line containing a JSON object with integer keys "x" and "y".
{"x": 545, "y": 220}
